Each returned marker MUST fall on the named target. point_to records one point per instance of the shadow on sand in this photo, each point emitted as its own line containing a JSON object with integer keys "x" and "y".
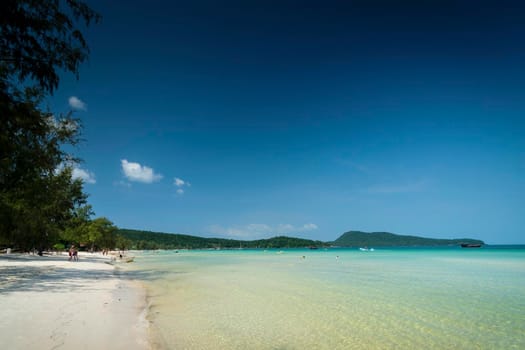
{"x": 56, "y": 278}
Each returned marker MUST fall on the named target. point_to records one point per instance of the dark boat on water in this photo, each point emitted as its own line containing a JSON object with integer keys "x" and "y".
{"x": 470, "y": 245}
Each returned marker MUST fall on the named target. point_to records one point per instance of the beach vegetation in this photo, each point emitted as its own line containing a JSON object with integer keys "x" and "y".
{"x": 39, "y": 40}
{"x": 59, "y": 247}
{"x": 123, "y": 243}
{"x": 100, "y": 234}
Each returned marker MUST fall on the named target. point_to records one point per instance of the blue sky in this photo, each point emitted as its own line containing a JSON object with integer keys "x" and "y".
{"x": 250, "y": 119}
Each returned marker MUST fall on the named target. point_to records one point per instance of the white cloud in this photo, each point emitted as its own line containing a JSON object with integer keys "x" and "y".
{"x": 76, "y": 172}
{"x": 52, "y": 121}
{"x": 287, "y": 228}
{"x": 310, "y": 227}
{"x": 63, "y": 123}
{"x": 248, "y": 231}
{"x": 76, "y": 103}
{"x": 136, "y": 172}
{"x": 85, "y": 175}
{"x": 180, "y": 183}
{"x": 260, "y": 230}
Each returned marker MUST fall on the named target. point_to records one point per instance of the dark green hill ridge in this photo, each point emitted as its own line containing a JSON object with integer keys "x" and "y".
{"x": 387, "y": 239}
{"x": 159, "y": 240}
{"x": 137, "y": 239}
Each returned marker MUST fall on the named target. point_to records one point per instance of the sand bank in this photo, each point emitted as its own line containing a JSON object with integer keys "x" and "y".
{"x": 52, "y": 303}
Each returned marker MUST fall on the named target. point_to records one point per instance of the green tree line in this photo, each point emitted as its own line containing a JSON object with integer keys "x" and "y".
{"x": 41, "y": 205}
{"x": 158, "y": 240}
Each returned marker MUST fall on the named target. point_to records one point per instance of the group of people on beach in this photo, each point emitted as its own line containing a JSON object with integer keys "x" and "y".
{"x": 73, "y": 253}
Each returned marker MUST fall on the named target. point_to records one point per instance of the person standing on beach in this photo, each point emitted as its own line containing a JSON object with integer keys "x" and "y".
{"x": 73, "y": 253}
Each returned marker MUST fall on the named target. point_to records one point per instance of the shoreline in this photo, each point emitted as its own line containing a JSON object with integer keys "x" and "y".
{"x": 51, "y": 303}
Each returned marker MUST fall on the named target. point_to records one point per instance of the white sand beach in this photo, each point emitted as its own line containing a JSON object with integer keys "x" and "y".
{"x": 52, "y": 303}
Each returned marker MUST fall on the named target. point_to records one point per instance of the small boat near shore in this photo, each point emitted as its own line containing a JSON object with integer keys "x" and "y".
{"x": 120, "y": 259}
{"x": 470, "y": 245}
{"x": 366, "y": 249}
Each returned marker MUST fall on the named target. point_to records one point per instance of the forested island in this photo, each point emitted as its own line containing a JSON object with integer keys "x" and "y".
{"x": 387, "y": 239}
{"x": 136, "y": 239}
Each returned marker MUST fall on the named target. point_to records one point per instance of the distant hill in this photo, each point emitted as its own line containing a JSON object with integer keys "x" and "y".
{"x": 159, "y": 240}
{"x": 387, "y": 239}
{"x": 137, "y": 239}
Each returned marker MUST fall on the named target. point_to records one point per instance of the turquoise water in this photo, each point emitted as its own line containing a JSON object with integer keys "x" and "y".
{"x": 337, "y": 298}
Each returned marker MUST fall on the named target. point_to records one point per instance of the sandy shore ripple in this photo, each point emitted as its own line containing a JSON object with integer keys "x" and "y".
{"x": 52, "y": 303}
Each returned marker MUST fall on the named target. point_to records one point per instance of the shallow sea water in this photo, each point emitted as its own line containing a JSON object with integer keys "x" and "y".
{"x": 337, "y": 298}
